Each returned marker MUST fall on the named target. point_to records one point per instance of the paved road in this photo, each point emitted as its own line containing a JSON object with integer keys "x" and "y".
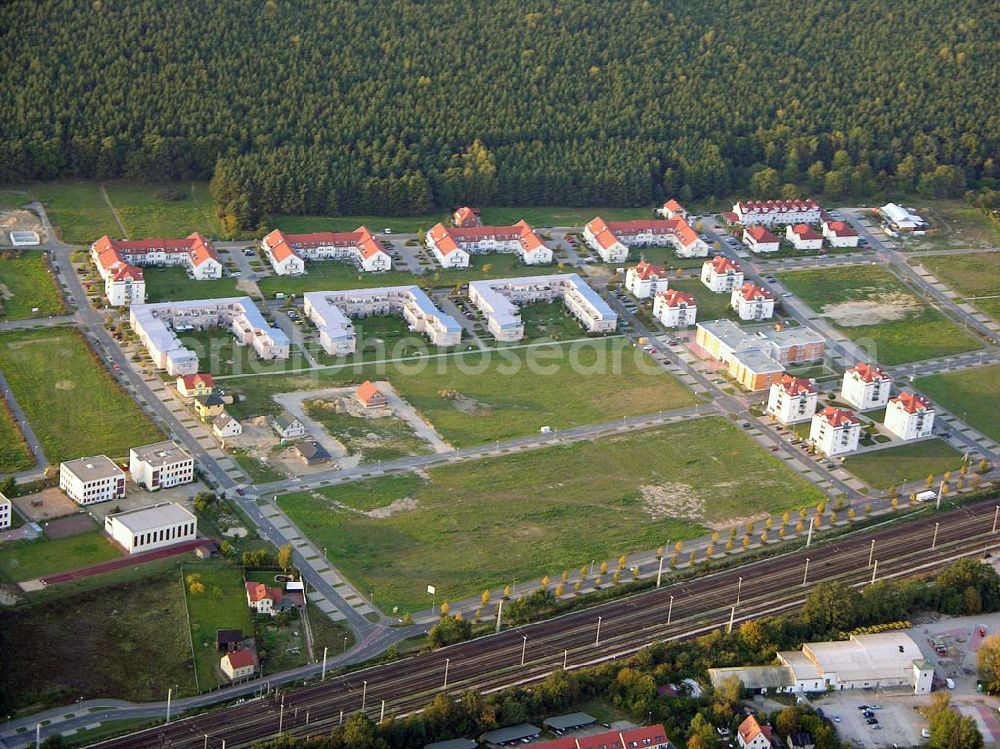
{"x": 52, "y": 321}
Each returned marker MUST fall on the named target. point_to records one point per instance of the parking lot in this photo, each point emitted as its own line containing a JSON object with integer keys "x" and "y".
{"x": 898, "y": 722}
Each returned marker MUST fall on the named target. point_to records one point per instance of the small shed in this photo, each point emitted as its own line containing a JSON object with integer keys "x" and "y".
{"x": 312, "y": 453}
{"x": 569, "y": 722}
{"x": 227, "y": 640}
{"x": 510, "y": 734}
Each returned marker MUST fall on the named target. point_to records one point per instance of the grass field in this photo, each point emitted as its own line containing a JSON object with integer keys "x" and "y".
{"x": 173, "y": 284}
{"x": 332, "y": 275}
{"x": 517, "y": 518}
{"x": 542, "y": 216}
{"x": 879, "y": 312}
{"x": 257, "y": 471}
{"x": 219, "y": 354}
{"x": 222, "y": 605}
{"x": 884, "y": 468}
{"x": 77, "y": 210}
{"x": 398, "y": 224}
{"x": 711, "y": 306}
{"x": 26, "y": 283}
{"x": 146, "y": 212}
{"x": 14, "y": 453}
{"x": 971, "y": 395}
{"x": 127, "y": 642}
{"x": 975, "y": 276}
{"x": 483, "y": 396}
{"x": 386, "y": 438}
{"x": 497, "y": 265}
{"x": 70, "y": 400}
{"x": 28, "y": 560}
{"x": 550, "y": 320}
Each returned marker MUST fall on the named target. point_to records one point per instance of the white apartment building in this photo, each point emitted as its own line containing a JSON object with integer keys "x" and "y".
{"x": 840, "y": 234}
{"x": 909, "y": 416}
{"x": 454, "y": 245}
{"x": 721, "y": 275}
{"x": 90, "y": 480}
{"x": 675, "y": 309}
{"x": 498, "y": 301}
{"x": 835, "y": 431}
{"x": 151, "y": 528}
{"x": 760, "y": 240}
{"x": 804, "y": 237}
{"x": 157, "y": 326}
{"x": 160, "y": 465}
{"x": 645, "y": 279}
{"x": 777, "y": 212}
{"x": 5, "y": 512}
{"x": 612, "y": 240}
{"x": 331, "y": 313}
{"x": 288, "y": 252}
{"x": 792, "y": 400}
{"x": 752, "y": 302}
{"x": 866, "y": 386}
{"x": 124, "y": 284}
{"x": 672, "y": 209}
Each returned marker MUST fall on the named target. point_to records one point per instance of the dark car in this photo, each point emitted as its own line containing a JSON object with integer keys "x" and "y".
{"x": 871, "y": 721}
{"x": 862, "y": 707}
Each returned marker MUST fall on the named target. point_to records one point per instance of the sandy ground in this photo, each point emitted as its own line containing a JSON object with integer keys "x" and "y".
{"x": 19, "y": 220}
{"x": 45, "y": 505}
{"x": 887, "y": 308}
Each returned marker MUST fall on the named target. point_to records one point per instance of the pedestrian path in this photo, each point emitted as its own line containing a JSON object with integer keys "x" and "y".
{"x": 21, "y": 421}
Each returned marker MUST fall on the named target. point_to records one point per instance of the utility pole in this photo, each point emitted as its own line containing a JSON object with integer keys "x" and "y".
{"x": 670, "y": 609}
{"x": 934, "y": 540}
{"x": 732, "y": 617}
{"x": 739, "y": 590}
{"x": 659, "y": 572}
{"x": 805, "y": 574}
{"x": 996, "y": 516}
{"x": 38, "y": 735}
{"x": 871, "y": 553}
{"x": 364, "y": 695}
{"x": 597, "y": 641}
{"x": 381, "y": 715}
{"x": 170, "y": 694}
{"x": 281, "y": 717}
{"x": 565, "y": 656}
{"x": 499, "y": 614}
{"x": 524, "y": 648}
{"x": 323, "y": 677}
{"x": 874, "y": 571}
{"x": 937, "y": 505}
{"x": 809, "y": 538}
{"x": 447, "y": 663}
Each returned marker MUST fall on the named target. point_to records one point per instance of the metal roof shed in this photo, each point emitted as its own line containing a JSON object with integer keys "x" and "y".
{"x": 453, "y": 744}
{"x": 510, "y": 734}
{"x": 569, "y": 722}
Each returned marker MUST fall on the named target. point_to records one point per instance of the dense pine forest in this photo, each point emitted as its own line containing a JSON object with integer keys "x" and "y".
{"x": 399, "y": 106}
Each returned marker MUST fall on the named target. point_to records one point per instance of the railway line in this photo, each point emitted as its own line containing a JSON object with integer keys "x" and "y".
{"x": 612, "y": 630}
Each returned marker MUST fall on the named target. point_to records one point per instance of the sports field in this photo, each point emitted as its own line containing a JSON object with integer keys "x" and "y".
{"x": 26, "y": 283}
{"x": 877, "y": 311}
{"x": 971, "y": 395}
{"x": 70, "y": 399}
{"x": 884, "y": 468}
{"x": 482, "y": 524}
{"x": 975, "y": 276}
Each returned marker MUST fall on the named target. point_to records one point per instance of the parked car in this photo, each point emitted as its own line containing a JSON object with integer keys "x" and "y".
{"x": 871, "y": 721}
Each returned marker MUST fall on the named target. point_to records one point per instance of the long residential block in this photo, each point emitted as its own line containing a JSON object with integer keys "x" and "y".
{"x": 453, "y": 245}
{"x": 499, "y": 301}
{"x": 288, "y": 252}
{"x": 157, "y": 326}
{"x": 612, "y": 240}
{"x": 331, "y": 312}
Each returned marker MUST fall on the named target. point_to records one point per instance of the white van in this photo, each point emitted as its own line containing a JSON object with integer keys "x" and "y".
{"x": 950, "y": 683}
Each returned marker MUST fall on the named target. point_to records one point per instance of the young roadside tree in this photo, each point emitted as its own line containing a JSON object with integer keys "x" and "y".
{"x": 285, "y": 557}
{"x": 989, "y": 663}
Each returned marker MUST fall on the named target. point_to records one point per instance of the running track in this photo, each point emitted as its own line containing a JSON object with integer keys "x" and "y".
{"x": 117, "y": 564}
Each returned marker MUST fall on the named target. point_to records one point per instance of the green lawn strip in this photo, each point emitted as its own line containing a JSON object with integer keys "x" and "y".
{"x": 327, "y": 633}
{"x": 27, "y": 283}
{"x": 222, "y": 605}
{"x": 147, "y": 210}
{"x": 973, "y": 275}
{"x": 550, "y": 320}
{"x": 711, "y": 306}
{"x": 517, "y": 518}
{"x": 173, "y": 284}
{"x": 77, "y": 210}
{"x": 971, "y": 395}
{"x": 478, "y": 397}
{"x": 894, "y": 465}
{"x": 14, "y": 453}
{"x": 258, "y": 471}
{"x": 542, "y": 216}
{"x": 920, "y": 333}
{"x": 125, "y": 641}
{"x": 109, "y": 729}
{"x": 385, "y": 438}
{"x": 28, "y": 560}
{"x": 70, "y": 399}
{"x": 491, "y": 266}
{"x": 332, "y": 275}
{"x": 399, "y": 225}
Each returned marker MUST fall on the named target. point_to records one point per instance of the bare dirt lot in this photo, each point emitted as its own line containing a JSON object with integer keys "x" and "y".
{"x": 19, "y": 220}
{"x": 45, "y": 505}
{"x": 886, "y": 308}
{"x": 70, "y": 525}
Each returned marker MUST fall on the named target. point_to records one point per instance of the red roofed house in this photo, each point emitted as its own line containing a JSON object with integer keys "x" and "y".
{"x": 288, "y": 252}
{"x": 835, "y": 431}
{"x": 866, "y": 386}
{"x": 759, "y": 239}
{"x": 672, "y": 209}
{"x": 752, "y": 735}
{"x": 369, "y": 395}
{"x": 453, "y": 246}
{"x": 777, "y": 212}
{"x": 752, "y": 302}
{"x": 675, "y": 309}
{"x": 645, "y": 279}
{"x": 909, "y": 416}
{"x": 612, "y": 240}
{"x": 803, "y": 237}
{"x": 840, "y": 234}
{"x": 792, "y": 400}
{"x": 195, "y": 384}
{"x": 466, "y": 217}
{"x": 721, "y": 275}
{"x": 262, "y": 598}
{"x": 643, "y": 737}
{"x": 239, "y": 664}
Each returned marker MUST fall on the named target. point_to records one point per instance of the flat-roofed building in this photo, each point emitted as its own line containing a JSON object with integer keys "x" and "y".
{"x": 899, "y": 220}
{"x": 746, "y": 355}
{"x": 909, "y": 416}
{"x": 331, "y": 313}
{"x": 792, "y": 399}
{"x": 612, "y": 240}
{"x": 90, "y": 480}
{"x": 288, "y": 252}
{"x": 452, "y": 246}
{"x": 150, "y": 528}
{"x": 160, "y": 465}
{"x": 721, "y": 275}
{"x": 499, "y": 301}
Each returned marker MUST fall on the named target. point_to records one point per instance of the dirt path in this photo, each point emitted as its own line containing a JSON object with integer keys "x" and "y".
{"x": 114, "y": 212}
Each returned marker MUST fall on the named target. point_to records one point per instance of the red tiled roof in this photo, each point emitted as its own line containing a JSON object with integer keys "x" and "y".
{"x": 448, "y": 239}
{"x": 282, "y": 246}
{"x": 760, "y": 235}
{"x": 796, "y": 385}
{"x": 805, "y": 232}
{"x": 836, "y": 417}
{"x": 241, "y": 659}
{"x": 629, "y": 738}
{"x": 608, "y": 232}
{"x": 840, "y": 229}
{"x": 912, "y": 402}
{"x": 192, "y": 381}
{"x": 750, "y": 729}
{"x": 110, "y": 251}
{"x": 752, "y": 292}
{"x": 869, "y": 372}
{"x": 675, "y": 298}
{"x": 367, "y": 391}
{"x": 722, "y": 264}
{"x": 258, "y": 592}
{"x": 646, "y": 271}
{"x": 777, "y": 206}
{"x": 673, "y": 205}
{"x": 465, "y": 216}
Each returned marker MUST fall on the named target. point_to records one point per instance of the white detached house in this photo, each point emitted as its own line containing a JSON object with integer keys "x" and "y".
{"x": 803, "y": 237}
{"x": 909, "y": 416}
{"x": 840, "y": 234}
{"x": 760, "y": 240}
{"x": 866, "y": 386}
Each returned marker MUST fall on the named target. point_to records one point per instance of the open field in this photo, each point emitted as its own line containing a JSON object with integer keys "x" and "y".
{"x": 478, "y": 397}
{"x": 542, "y": 216}
{"x": 146, "y": 211}
{"x": 70, "y": 400}
{"x": 516, "y": 518}
{"x": 222, "y": 605}
{"x": 28, "y": 560}
{"x": 173, "y": 284}
{"x": 127, "y": 642}
{"x": 971, "y": 395}
{"x": 955, "y": 225}
{"x": 975, "y": 276}
{"x": 77, "y": 210}
{"x": 398, "y": 224}
{"x": 26, "y": 283}
{"x": 879, "y": 312}
{"x": 386, "y": 438}
{"x": 332, "y": 275}
{"x": 894, "y": 465}
{"x": 14, "y": 453}
{"x": 257, "y": 471}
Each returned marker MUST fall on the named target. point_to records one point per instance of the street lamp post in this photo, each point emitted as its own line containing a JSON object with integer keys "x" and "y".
{"x": 874, "y": 571}
{"x": 871, "y": 553}
{"x": 934, "y": 540}
{"x": 996, "y": 516}
{"x": 170, "y": 694}
{"x": 447, "y": 663}
{"x": 524, "y": 648}
{"x": 323, "y": 676}
{"x": 739, "y": 590}
{"x": 597, "y": 641}
{"x": 670, "y": 609}
{"x": 805, "y": 574}
{"x": 364, "y": 695}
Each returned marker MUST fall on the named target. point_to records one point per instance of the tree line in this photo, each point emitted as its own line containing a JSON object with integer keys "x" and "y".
{"x": 401, "y": 106}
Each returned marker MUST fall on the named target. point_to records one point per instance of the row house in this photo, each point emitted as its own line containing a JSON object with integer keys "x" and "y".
{"x": 840, "y": 234}
{"x": 612, "y": 240}
{"x": 909, "y": 416}
{"x": 792, "y": 400}
{"x": 835, "y": 431}
{"x": 760, "y": 240}
{"x": 866, "y": 386}
{"x": 721, "y": 275}
{"x": 645, "y": 280}
{"x": 453, "y": 246}
{"x": 752, "y": 302}
{"x": 804, "y": 237}
{"x": 675, "y": 309}
{"x": 287, "y": 253}
{"x": 777, "y": 212}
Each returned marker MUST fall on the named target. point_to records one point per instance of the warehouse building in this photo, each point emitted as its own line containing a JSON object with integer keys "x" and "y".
{"x": 150, "y": 528}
